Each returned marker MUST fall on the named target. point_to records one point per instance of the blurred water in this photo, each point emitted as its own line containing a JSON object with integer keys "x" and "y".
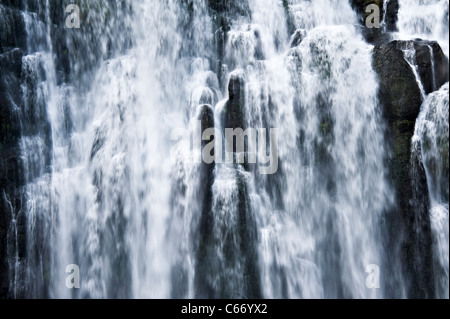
{"x": 108, "y": 191}
{"x": 426, "y": 19}
{"x": 431, "y": 140}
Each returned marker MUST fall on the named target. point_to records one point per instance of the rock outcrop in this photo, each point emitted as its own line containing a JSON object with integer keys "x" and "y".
{"x": 242, "y": 236}
{"x": 11, "y": 167}
{"x": 234, "y": 109}
{"x": 76, "y": 54}
{"x": 401, "y": 98}
{"x": 23, "y": 110}
{"x": 223, "y": 13}
{"x": 388, "y": 12}
{"x": 205, "y": 235}
{"x": 432, "y": 64}
{"x": 388, "y": 18}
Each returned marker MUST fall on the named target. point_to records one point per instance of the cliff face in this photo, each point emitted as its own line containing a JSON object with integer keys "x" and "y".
{"x": 23, "y": 114}
{"x": 12, "y": 46}
{"x": 401, "y": 94}
{"x": 388, "y": 13}
{"x": 24, "y": 121}
{"x": 401, "y": 99}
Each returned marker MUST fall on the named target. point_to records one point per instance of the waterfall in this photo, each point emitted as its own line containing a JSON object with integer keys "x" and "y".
{"x": 409, "y": 52}
{"x": 427, "y": 19}
{"x": 107, "y": 187}
{"x": 385, "y": 10}
{"x": 336, "y": 181}
{"x": 120, "y": 176}
{"x": 431, "y": 141}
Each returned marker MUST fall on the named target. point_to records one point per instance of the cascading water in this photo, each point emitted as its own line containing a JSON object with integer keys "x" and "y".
{"x": 430, "y": 143}
{"x": 121, "y": 176}
{"x": 427, "y": 19}
{"x": 108, "y": 189}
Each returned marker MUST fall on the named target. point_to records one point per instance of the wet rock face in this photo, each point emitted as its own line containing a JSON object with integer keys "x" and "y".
{"x": 432, "y": 65}
{"x": 399, "y": 91}
{"x": 205, "y": 236}
{"x": 223, "y": 13}
{"x": 361, "y": 5}
{"x": 401, "y": 99}
{"x": 12, "y": 43}
{"x": 234, "y": 110}
{"x": 298, "y": 37}
{"x": 400, "y": 94}
{"x": 388, "y": 19}
{"x": 12, "y": 29}
{"x": 21, "y": 114}
{"x": 392, "y": 15}
{"x": 19, "y": 4}
{"x": 388, "y": 14}
{"x": 229, "y": 7}
{"x": 219, "y": 5}
{"x": 241, "y": 237}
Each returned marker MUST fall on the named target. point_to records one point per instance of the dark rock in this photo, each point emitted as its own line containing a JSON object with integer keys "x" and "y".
{"x": 11, "y": 173}
{"x": 239, "y": 248}
{"x": 417, "y": 248}
{"x": 17, "y": 4}
{"x": 223, "y": 14}
{"x": 401, "y": 99}
{"x": 12, "y": 29}
{"x": 361, "y": 5}
{"x": 441, "y": 65}
{"x": 248, "y": 239}
{"x": 234, "y": 109}
{"x": 399, "y": 91}
{"x": 432, "y": 65}
{"x": 390, "y": 17}
{"x": 429, "y": 59}
{"x": 206, "y": 117}
{"x": 298, "y": 37}
{"x": 234, "y": 114}
{"x": 205, "y": 268}
{"x": 231, "y": 8}
{"x": 289, "y": 17}
{"x": 376, "y": 36}
{"x": 23, "y": 113}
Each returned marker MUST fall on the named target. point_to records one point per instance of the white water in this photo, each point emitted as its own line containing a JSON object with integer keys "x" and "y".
{"x": 122, "y": 190}
{"x": 299, "y": 245}
{"x": 432, "y": 135}
{"x": 429, "y": 19}
{"x": 426, "y": 19}
{"x": 409, "y": 51}
{"x": 118, "y": 206}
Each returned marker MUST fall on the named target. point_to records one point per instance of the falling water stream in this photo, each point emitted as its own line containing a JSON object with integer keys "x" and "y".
{"x": 427, "y": 19}
{"x": 107, "y": 189}
{"x": 430, "y": 141}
